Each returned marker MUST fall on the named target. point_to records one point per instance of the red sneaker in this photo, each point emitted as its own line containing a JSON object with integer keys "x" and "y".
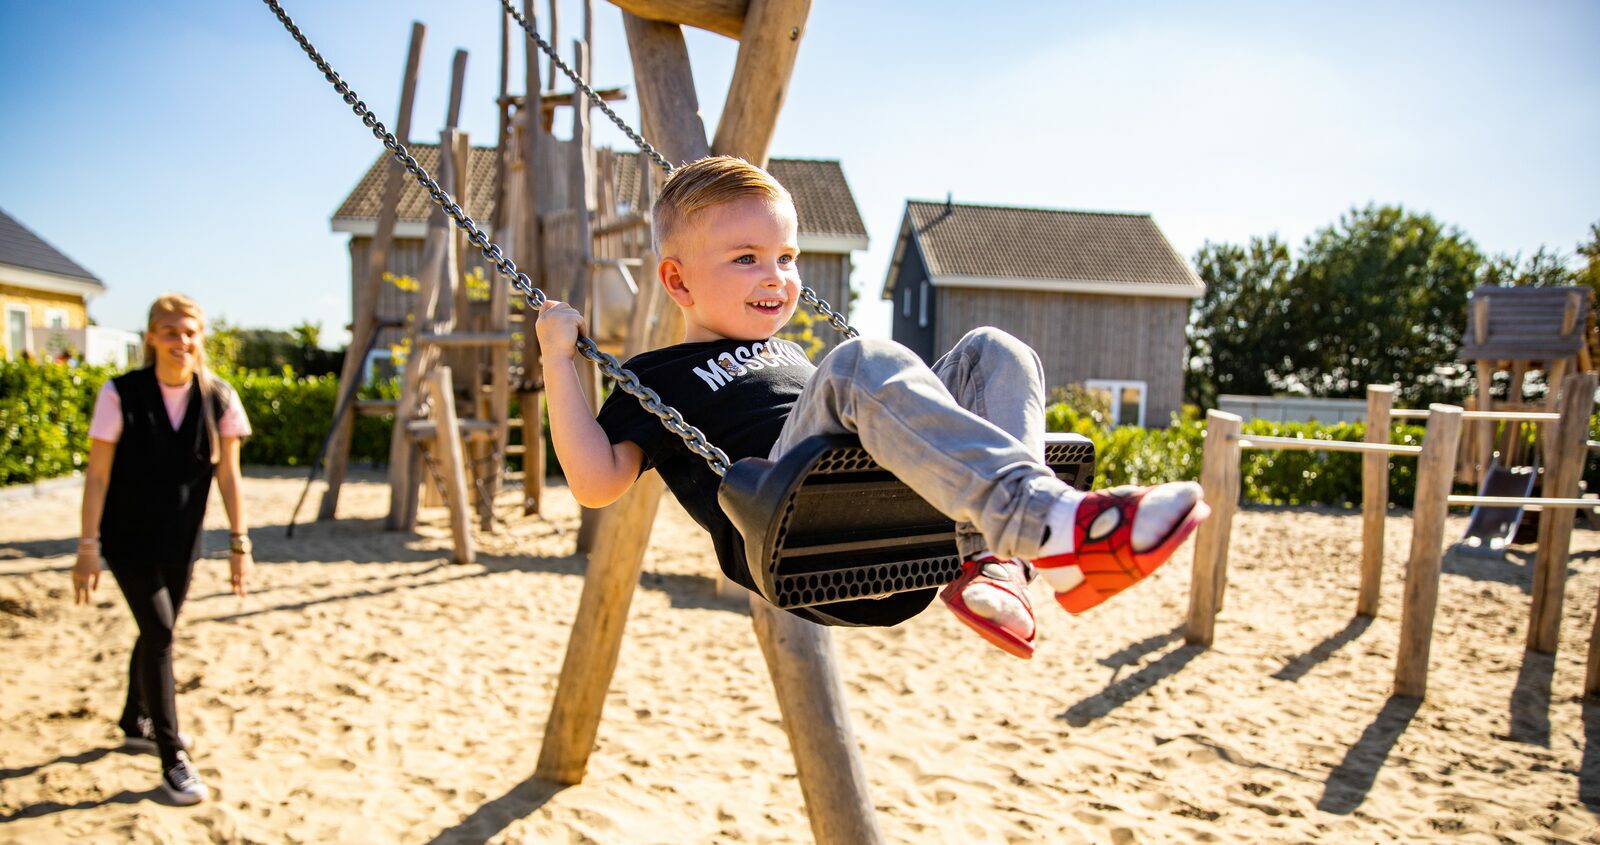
{"x": 992, "y": 573}
{"x": 1103, "y": 561}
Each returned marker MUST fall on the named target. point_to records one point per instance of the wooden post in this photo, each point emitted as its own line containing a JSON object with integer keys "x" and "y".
{"x": 596, "y": 637}
{"x": 1374, "y": 499}
{"x": 724, "y": 17}
{"x": 531, "y": 391}
{"x": 768, "y": 44}
{"x": 580, "y": 187}
{"x": 1219, "y": 479}
{"x": 1568, "y": 440}
{"x": 661, "y": 68}
{"x": 366, "y": 281}
{"x": 1591, "y": 676}
{"x": 1428, "y": 512}
{"x": 433, "y": 313}
{"x": 447, "y": 448}
{"x": 811, "y": 699}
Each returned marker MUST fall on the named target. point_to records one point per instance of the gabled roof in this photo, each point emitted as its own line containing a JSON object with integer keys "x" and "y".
{"x": 359, "y": 211}
{"x": 1042, "y": 249}
{"x": 21, "y": 248}
{"x": 829, "y": 219}
{"x": 827, "y": 211}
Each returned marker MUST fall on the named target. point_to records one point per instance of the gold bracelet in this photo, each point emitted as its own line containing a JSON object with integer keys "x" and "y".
{"x": 239, "y": 544}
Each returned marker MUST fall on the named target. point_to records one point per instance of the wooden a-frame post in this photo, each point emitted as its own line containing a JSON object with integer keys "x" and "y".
{"x": 364, "y": 295}
{"x": 799, "y": 655}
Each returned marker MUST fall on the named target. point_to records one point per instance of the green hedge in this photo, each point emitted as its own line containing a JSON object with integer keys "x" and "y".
{"x": 45, "y": 410}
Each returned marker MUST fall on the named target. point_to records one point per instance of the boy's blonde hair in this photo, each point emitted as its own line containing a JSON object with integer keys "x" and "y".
{"x": 176, "y": 304}
{"x": 704, "y": 183}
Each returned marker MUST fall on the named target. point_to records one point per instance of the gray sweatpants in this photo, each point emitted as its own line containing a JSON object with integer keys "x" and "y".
{"x": 967, "y": 433}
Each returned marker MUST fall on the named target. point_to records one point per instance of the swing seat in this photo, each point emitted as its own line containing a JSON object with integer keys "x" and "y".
{"x": 825, "y": 525}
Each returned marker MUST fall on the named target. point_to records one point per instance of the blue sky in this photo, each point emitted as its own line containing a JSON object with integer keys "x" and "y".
{"x": 190, "y": 146}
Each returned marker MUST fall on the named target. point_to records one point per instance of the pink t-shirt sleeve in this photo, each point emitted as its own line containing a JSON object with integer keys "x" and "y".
{"x": 234, "y": 423}
{"x": 106, "y": 424}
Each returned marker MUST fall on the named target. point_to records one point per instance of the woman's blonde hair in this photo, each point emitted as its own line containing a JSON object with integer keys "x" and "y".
{"x": 176, "y": 304}
{"x": 706, "y": 182}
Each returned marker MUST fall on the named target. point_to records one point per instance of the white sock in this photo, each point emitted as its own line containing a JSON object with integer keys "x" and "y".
{"x": 1062, "y": 520}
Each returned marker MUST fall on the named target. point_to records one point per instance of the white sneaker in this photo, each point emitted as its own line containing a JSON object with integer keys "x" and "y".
{"x": 182, "y": 783}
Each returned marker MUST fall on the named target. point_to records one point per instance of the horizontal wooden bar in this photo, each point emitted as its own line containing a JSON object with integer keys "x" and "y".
{"x": 465, "y": 339}
{"x": 1512, "y": 412}
{"x": 1512, "y": 416}
{"x": 631, "y": 220}
{"x": 375, "y": 407}
{"x": 1308, "y": 445}
{"x": 473, "y": 429}
{"x": 1523, "y": 501}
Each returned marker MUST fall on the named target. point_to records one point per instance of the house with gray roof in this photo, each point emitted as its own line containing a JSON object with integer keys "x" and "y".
{"x": 44, "y": 297}
{"x": 1101, "y": 296}
{"x": 831, "y": 228}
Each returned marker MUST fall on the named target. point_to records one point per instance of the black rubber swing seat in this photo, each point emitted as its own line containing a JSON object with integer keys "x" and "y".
{"x": 825, "y": 524}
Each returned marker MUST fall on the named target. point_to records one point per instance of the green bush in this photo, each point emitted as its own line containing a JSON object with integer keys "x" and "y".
{"x": 45, "y": 410}
{"x": 290, "y": 416}
{"x": 1129, "y": 455}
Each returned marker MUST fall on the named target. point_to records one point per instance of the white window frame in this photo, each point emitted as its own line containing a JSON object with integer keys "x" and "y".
{"x": 1115, "y": 388}
{"x": 922, "y": 315}
{"x": 27, "y": 329}
{"x": 51, "y": 315}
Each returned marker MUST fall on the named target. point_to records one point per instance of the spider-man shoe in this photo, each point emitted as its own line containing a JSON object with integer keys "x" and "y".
{"x": 1103, "y": 561}
{"x": 985, "y": 584}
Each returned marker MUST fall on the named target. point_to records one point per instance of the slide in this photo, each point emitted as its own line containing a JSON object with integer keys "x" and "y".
{"x": 1490, "y": 530}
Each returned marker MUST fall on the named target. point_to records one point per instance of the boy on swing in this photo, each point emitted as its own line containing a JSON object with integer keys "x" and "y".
{"x": 967, "y": 434}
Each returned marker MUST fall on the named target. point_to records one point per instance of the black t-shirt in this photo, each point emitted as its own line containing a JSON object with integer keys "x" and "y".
{"x": 739, "y": 393}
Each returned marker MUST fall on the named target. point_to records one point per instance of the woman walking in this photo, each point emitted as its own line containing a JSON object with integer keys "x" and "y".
{"x": 158, "y": 437}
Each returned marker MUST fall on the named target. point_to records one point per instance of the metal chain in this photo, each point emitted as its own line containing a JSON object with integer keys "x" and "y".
{"x": 809, "y": 296}
{"x": 629, "y": 383}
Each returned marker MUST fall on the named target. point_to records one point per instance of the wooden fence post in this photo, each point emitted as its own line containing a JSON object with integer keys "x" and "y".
{"x": 1374, "y": 498}
{"x": 1435, "y": 468}
{"x": 1569, "y": 437}
{"x": 447, "y": 444}
{"x": 1219, "y": 478}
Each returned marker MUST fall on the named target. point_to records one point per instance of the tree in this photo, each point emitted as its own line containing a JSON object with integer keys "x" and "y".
{"x": 1236, "y": 331}
{"x": 1379, "y": 298}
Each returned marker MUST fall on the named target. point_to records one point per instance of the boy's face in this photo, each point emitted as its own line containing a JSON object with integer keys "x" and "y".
{"x": 732, "y": 271}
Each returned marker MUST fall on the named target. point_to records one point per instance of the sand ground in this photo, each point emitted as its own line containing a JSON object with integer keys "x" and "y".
{"x": 369, "y": 691}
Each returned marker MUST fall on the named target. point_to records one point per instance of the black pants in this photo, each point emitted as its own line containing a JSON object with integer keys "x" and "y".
{"x": 155, "y": 592}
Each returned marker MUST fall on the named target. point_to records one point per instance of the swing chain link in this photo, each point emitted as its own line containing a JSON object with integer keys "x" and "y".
{"x": 533, "y": 35}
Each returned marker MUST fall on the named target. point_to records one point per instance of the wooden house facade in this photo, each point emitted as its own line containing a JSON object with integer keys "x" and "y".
{"x": 831, "y": 229}
{"x": 1101, "y": 296}
{"x": 44, "y": 302}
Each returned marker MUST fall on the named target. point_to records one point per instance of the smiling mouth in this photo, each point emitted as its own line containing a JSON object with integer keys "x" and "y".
{"x": 768, "y": 306}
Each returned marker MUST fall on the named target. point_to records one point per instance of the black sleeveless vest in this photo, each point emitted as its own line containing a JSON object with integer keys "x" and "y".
{"x": 160, "y": 478}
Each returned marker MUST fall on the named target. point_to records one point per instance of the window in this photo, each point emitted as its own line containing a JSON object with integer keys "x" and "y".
{"x": 922, "y": 316}
{"x": 16, "y": 330}
{"x": 55, "y": 318}
{"x": 1126, "y": 399}
{"x": 905, "y": 307}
